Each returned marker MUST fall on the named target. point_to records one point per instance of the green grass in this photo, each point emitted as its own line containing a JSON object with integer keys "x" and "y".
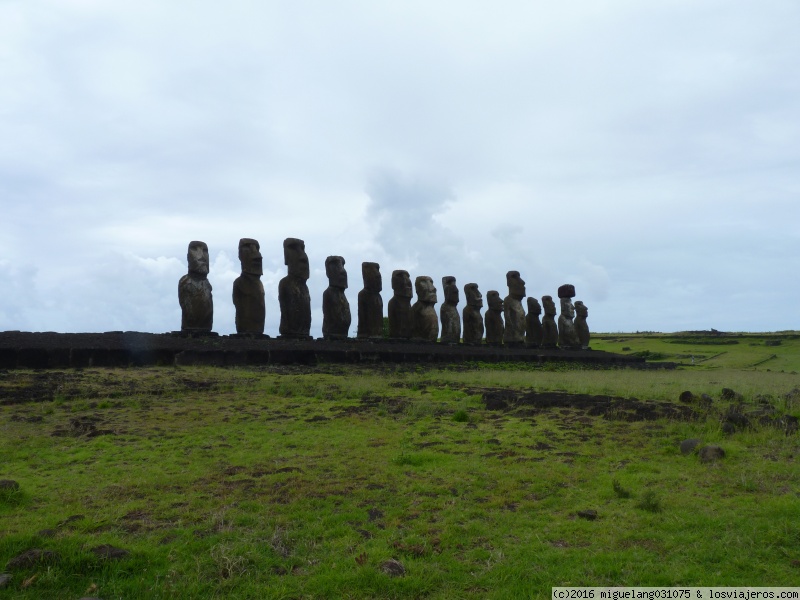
{"x": 300, "y": 483}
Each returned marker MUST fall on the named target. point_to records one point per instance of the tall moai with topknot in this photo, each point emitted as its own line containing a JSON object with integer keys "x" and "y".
{"x": 567, "y": 336}
{"x": 473, "y": 319}
{"x": 370, "y": 303}
{"x": 448, "y": 313}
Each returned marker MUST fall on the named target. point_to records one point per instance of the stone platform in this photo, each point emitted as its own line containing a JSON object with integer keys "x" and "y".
{"x": 49, "y": 350}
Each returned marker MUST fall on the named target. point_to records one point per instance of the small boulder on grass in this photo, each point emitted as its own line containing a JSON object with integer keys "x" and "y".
{"x": 687, "y": 397}
{"x": 393, "y": 568}
{"x": 688, "y": 446}
{"x": 8, "y": 486}
{"x": 109, "y": 552}
{"x": 33, "y": 557}
{"x": 711, "y": 453}
{"x": 5, "y": 579}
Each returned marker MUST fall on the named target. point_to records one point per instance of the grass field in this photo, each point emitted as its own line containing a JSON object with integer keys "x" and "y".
{"x": 403, "y": 482}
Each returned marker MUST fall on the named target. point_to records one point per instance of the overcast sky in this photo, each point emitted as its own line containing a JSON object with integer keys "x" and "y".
{"x": 646, "y": 152}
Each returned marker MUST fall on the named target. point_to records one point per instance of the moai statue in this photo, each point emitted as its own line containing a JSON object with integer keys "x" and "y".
{"x": 494, "y": 319}
{"x": 400, "y": 324}
{"x": 514, "y": 332}
{"x": 533, "y": 330}
{"x": 473, "y": 320}
{"x": 293, "y": 296}
{"x": 581, "y": 327}
{"x": 549, "y": 327}
{"x": 567, "y": 336}
{"x": 335, "y": 307}
{"x": 370, "y": 303}
{"x": 425, "y": 322}
{"x": 248, "y": 291}
{"x": 194, "y": 292}
{"x": 451, "y": 321}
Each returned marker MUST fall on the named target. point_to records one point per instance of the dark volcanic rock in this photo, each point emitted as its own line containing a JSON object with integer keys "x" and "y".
{"x": 688, "y": 446}
{"x": 33, "y": 557}
{"x": 711, "y": 453}
{"x": 393, "y": 568}
{"x": 109, "y": 552}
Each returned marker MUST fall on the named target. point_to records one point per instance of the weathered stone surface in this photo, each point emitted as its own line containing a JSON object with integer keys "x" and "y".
{"x": 451, "y": 321}
{"x": 425, "y": 322}
{"x": 589, "y": 514}
{"x": 549, "y": 327}
{"x": 336, "y": 317}
{"x": 533, "y": 324}
{"x": 566, "y": 291}
{"x": 33, "y": 557}
{"x": 711, "y": 453}
{"x": 581, "y": 326}
{"x": 473, "y": 320}
{"x": 494, "y": 319}
{"x": 5, "y": 579}
{"x": 370, "y": 303}
{"x": 688, "y": 446}
{"x": 393, "y": 568}
{"x": 687, "y": 397}
{"x": 8, "y": 485}
{"x": 400, "y": 323}
{"x": 567, "y": 336}
{"x": 194, "y": 291}
{"x": 248, "y": 291}
{"x": 514, "y": 330}
{"x": 293, "y": 295}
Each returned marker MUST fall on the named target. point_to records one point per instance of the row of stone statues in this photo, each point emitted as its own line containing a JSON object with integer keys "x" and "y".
{"x": 505, "y": 322}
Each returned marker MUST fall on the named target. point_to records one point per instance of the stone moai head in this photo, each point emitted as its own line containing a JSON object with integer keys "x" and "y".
{"x": 494, "y": 300}
{"x": 516, "y": 286}
{"x": 581, "y": 309}
{"x": 549, "y": 306}
{"x": 294, "y": 257}
{"x": 426, "y": 292}
{"x": 371, "y": 272}
{"x": 473, "y": 295}
{"x": 197, "y": 256}
{"x": 401, "y": 284}
{"x": 250, "y": 256}
{"x": 334, "y": 269}
{"x": 450, "y": 290}
{"x": 534, "y": 308}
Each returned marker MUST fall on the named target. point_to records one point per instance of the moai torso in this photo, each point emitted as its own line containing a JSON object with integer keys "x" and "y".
{"x": 194, "y": 291}
{"x": 425, "y": 322}
{"x": 473, "y": 319}
{"x": 293, "y": 295}
{"x": 400, "y": 321}
{"x": 567, "y": 336}
{"x": 533, "y": 329}
{"x": 248, "y": 291}
{"x": 370, "y": 303}
{"x": 494, "y": 319}
{"x": 448, "y": 314}
{"x": 549, "y": 327}
{"x": 336, "y": 316}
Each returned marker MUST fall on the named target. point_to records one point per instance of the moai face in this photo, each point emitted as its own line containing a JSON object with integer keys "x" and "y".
{"x": 334, "y": 269}
{"x": 516, "y": 286}
{"x": 372, "y": 276}
{"x": 534, "y": 308}
{"x": 450, "y": 290}
{"x": 401, "y": 284}
{"x": 474, "y": 297}
{"x": 581, "y": 310}
{"x": 567, "y": 309}
{"x": 426, "y": 292}
{"x": 294, "y": 257}
{"x": 549, "y": 305}
{"x": 494, "y": 300}
{"x": 250, "y": 256}
{"x": 197, "y": 256}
